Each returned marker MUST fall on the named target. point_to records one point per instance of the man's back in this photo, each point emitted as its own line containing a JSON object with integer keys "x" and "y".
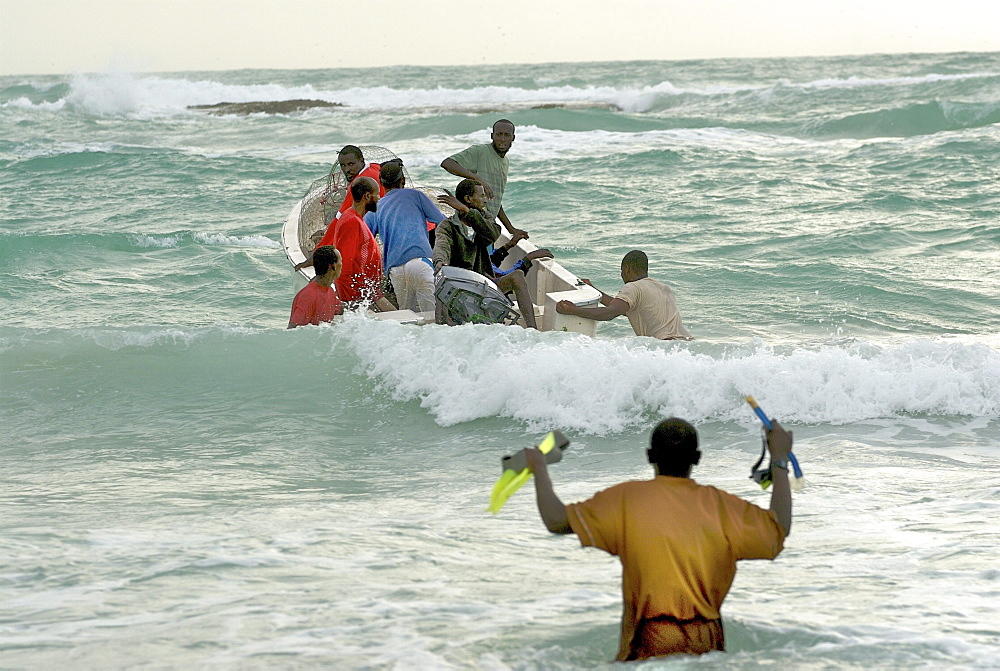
{"x": 678, "y": 543}
{"x": 653, "y": 309}
{"x": 361, "y": 277}
{"x": 314, "y": 304}
{"x": 401, "y": 222}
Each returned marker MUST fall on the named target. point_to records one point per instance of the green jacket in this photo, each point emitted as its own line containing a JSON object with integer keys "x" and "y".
{"x": 463, "y": 240}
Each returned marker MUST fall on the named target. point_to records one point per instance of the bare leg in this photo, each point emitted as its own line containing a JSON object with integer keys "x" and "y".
{"x": 515, "y": 282}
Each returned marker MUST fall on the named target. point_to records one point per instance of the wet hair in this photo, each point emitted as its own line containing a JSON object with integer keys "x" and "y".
{"x": 391, "y": 175}
{"x": 324, "y": 258}
{"x": 362, "y": 186}
{"x": 673, "y": 447}
{"x": 637, "y": 262}
{"x": 495, "y": 123}
{"x": 465, "y": 189}
{"x": 351, "y": 149}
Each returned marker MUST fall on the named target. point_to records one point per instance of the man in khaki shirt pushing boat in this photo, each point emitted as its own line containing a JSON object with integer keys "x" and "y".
{"x": 649, "y": 305}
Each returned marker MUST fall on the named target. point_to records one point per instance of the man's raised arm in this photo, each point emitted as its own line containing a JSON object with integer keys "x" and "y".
{"x": 455, "y": 168}
{"x": 779, "y": 443}
{"x": 551, "y": 509}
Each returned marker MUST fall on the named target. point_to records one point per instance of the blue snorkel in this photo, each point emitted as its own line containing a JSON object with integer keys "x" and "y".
{"x": 763, "y": 477}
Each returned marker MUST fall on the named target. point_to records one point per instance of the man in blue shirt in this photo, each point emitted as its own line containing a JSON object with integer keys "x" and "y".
{"x": 401, "y": 222}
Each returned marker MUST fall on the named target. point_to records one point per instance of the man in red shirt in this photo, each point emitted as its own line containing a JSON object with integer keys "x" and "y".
{"x": 352, "y": 164}
{"x": 361, "y": 277}
{"x": 317, "y": 301}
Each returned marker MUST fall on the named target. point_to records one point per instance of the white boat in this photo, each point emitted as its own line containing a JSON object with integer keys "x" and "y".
{"x": 548, "y": 282}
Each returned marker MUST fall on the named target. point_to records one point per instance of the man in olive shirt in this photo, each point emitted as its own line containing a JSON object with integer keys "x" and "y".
{"x": 649, "y": 305}
{"x": 488, "y": 165}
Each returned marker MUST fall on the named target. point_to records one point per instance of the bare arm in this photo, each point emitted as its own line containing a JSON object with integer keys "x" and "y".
{"x": 551, "y": 509}
{"x": 382, "y": 304}
{"x": 542, "y": 253}
{"x": 305, "y": 264}
{"x": 605, "y": 298}
{"x": 455, "y": 168}
{"x": 779, "y": 443}
{"x": 517, "y": 233}
{"x": 615, "y": 308}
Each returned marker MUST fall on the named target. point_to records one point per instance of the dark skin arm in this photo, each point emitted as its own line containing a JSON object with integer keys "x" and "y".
{"x": 605, "y": 298}
{"x": 550, "y": 507}
{"x": 553, "y": 511}
{"x": 615, "y": 308}
{"x": 517, "y": 233}
{"x": 455, "y": 168}
{"x": 779, "y": 444}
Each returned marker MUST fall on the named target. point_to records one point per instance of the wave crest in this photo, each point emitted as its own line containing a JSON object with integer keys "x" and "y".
{"x": 604, "y": 386}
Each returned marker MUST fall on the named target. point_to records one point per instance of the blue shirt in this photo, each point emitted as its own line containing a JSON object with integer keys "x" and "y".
{"x": 401, "y": 222}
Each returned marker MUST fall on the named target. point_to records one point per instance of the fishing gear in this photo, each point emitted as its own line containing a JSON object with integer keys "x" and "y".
{"x": 762, "y": 476}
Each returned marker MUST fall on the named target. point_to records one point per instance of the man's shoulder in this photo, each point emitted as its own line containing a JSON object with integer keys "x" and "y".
{"x": 627, "y": 488}
{"x": 308, "y": 291}
{"x": 474, "y": 152}
{"x": 651, "y": 282}
{"x": 721, "y": 495}
{"x": 644, "y": 284}
{"x": 414, "y": 195}
{"x": 350, "y": 217}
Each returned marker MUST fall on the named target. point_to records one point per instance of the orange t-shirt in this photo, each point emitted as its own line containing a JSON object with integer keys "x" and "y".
{"x": 678, "y": 543}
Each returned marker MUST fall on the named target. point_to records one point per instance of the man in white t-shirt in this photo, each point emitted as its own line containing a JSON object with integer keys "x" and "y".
{"x": 649, "y": 305}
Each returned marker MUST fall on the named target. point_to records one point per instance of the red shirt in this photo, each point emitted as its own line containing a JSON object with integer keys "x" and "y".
{"x": 374, "y": 170}
{"x": 314, "y": 304}
{"x": 361, "y": 276}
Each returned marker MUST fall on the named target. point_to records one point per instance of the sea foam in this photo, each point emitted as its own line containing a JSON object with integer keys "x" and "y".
{"x": 602, "y": 386}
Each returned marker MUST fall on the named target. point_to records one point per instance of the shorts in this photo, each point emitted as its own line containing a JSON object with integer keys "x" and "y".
{"x": 666, "y": 635}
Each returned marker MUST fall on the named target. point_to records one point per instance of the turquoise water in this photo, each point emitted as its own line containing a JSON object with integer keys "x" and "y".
{"x": 186, "y": 484}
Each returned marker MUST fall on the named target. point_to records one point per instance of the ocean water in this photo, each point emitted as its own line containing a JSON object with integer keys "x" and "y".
{"x": 185, "y": 484}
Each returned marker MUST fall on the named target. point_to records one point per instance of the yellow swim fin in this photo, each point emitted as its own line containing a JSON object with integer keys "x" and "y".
{"x": 515, "y": 473}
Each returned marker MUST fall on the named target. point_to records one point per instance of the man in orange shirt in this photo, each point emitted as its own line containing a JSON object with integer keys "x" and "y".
{"x": 678, "y": 541}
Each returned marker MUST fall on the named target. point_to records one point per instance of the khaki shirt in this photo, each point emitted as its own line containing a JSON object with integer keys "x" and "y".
{"x": 652, "y": 309}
